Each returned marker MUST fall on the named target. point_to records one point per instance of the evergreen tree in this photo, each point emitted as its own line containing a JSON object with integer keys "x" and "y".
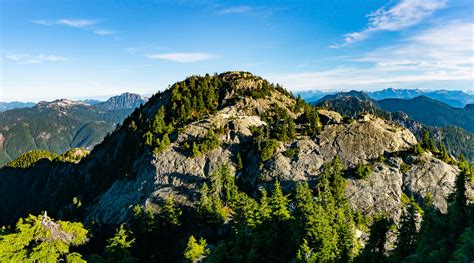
{"x": 171, "y": 213}
{"x": 427, "y": 142}
{"x": 417, "y": 149}
{"x": 118, "y": 247}
{"x": 374, "y": 250}
{"x": 265, "y": 211}
{"x": 196, "y": 251}
{"x": 305, "y": 254}
{"x": 159, "y": 125}
{"x": 279, "y": 203}
{"x": 40, "y": 239}
{"x": 407, "y": 230}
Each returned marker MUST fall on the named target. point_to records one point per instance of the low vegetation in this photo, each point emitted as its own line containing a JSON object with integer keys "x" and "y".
{"x": 28, "y": 159}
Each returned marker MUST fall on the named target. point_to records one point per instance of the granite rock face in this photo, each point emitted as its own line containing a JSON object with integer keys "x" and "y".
{"x": 359, "y": 141}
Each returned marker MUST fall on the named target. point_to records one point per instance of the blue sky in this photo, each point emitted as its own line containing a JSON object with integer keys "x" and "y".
{"x": 95, "y": 49}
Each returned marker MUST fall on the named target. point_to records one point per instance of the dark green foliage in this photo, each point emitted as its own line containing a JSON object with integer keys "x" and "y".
{"x": 310, "y": 121}
{"x": 282, "y": 125}
{"x": 374, "y": 250}
{"x": 444, "y": 155}
{"x": 279, "y": 204}
{"x": 208, "y": 143}
{"x": 119, "y": 246}
{"x": 238, "y": 161}
{"x": 427, "y": 142}
{"x": 407, "y": 230}
{"x": 443, "y": 236}
{"x": 265, "y": 145}
{"x": 171, "y": 213}
{"x": 417, "y": 149}
{"x": 363, "y": 170}
{"x": 404, "y": 167}
{"x": 457, "y": 141}
{"x": 214, "y": 199}
{"x": 465, "y": 247}
{"x": 291, "y": 152}
{"x": 268, "y": 148}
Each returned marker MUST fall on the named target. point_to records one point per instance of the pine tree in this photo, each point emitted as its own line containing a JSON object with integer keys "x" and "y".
{"x": 148, "y": 138}
{"x": 264, "y": 211}
{"x": 374, "y": 250}
{"x": 305, "y": 254}
{"x": 407, "y": 230}
{"x": 171, "y": 213}
{"x": 118, "y": 247}
{"x": 40, "y": 239}
{"x": 417, "y": 149}
{"x": 279, "y": 203}
{"x": 345, "y": 229}
{"x": 427, "y": 142}
{"x": 159, "y": 124}
{"x": 196, "y": 252}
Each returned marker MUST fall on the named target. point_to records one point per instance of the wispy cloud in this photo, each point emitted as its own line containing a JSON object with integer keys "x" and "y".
{"x": 182, "y": 57}
{"x": 443, "y": 53}
{"x": 103, "y": 32}
{"x": 78, "y": 23}
{"x": 405, "y": 14}
{"x": 43, "y": 22}
{"x": 235, "y": 10}
{"x": 25, "y": 58}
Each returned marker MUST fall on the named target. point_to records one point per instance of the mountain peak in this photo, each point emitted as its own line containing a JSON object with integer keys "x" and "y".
{"x": 123, "y": 101}
{"x": 60, "y": 103}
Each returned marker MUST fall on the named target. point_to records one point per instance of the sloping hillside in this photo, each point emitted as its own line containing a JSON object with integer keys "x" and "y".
{"x": 61, "y": 125}
{"x": 431, "y": 112}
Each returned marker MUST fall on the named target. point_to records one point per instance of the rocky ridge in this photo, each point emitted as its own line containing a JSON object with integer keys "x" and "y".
{"x": 135, "y": 176}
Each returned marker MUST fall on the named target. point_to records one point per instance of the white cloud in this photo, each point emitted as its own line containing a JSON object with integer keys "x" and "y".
{"x": 403, "y": 15}
{"x": 78, "y": 23}
{"x": 24, "y": 58}
{"x": 102, "y": 32}
{"x": 42, "y": 22}
{"x": 235, "y": 10}
{"x": 444, "y": 53}
{"x": 182, "y": 57}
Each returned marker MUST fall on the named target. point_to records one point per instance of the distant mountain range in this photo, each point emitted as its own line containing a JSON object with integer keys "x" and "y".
{"x": 431, "y": 112}
{"x": 454, "y": 98}
{"x": 4, "y": 106}
{"x": 451, "y": 126}
{"x": 60, "y": 125}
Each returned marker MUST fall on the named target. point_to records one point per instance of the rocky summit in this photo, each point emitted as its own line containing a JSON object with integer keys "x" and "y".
{"x": 259, "y": 136}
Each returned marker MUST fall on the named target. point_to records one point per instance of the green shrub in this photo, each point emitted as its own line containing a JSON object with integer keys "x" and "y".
{"x": 404, "y": 168}
{"x": 268, "y": 149}
{"x": 363, "y": 171}
{"x": 290, "y": 153}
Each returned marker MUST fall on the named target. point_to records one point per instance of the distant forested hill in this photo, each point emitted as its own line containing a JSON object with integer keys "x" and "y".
{"x": 431, "y": 112}
{"x": 61, "y": 125}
